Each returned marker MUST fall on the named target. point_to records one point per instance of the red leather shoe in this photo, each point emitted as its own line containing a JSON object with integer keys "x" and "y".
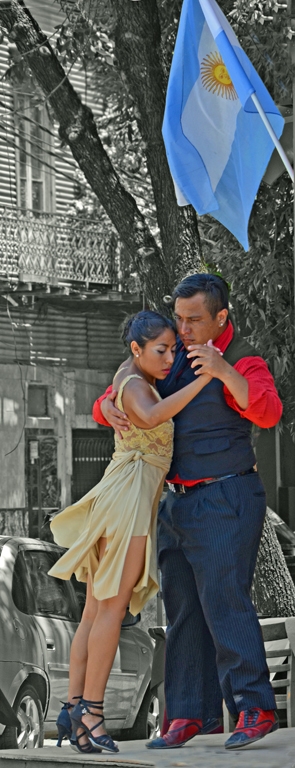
{"x": 165, "y": 724}
{"x": 253, "y": 724}
{"x": 179, "y": 732}
{"x": 212, "y": 725}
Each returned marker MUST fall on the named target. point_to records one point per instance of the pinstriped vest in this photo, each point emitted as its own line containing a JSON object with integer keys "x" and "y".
{"x": 210, "y": 438}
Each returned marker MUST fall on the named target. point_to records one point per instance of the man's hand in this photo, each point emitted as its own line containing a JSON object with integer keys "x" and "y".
{"x": 116, "y": 418}
{"x": 210, "y": 360}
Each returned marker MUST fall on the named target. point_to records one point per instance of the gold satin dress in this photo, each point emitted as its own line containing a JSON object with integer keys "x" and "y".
{"x": 123, "y": 504}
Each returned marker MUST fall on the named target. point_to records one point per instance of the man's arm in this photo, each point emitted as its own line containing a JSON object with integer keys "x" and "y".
{"x": 249, "y": 387}
{"x": 97, "y": 414}
{"x": 105, "y": 412}
{"x": 264, "y": 405}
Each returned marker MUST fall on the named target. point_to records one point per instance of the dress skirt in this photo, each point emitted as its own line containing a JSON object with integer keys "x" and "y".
{"x": 123, "y": 504}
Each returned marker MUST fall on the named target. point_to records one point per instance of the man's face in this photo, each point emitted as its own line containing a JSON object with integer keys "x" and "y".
{"x": 194, "y": 323}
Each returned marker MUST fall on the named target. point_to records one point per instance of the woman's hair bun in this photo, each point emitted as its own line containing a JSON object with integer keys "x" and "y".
{"x": 145, "y": 326}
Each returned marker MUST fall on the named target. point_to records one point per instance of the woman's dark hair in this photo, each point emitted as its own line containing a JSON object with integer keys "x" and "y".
{"x": 145, "y": 326}
{"x": 213, "y": 287}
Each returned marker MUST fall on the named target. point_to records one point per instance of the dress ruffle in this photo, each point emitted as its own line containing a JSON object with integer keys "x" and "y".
{"x": 123, "y": 502}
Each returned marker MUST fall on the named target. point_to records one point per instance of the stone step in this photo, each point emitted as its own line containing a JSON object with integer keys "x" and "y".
{"x": 275, "y": 751}
{"x": 51, "y": 757}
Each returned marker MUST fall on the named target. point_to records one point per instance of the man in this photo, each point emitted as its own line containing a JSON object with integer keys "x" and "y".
{"x": 210, "y": 524}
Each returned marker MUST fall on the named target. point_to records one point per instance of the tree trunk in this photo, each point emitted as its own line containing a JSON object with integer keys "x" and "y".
{"x": 273, "y": 591}
{"x": 138, "y": 51}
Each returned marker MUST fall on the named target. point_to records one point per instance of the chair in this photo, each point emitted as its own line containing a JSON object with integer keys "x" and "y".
{"x": 279, "y": 640}
{"x": 157, "y": 676}
{"x": 281, "y": 633}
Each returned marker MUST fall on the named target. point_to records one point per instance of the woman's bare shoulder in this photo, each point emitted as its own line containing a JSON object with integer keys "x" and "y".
{"x": 121, "y": 373}
{"x": 138, "y": 390}
{"x": 135, "y": 380}
{"x": 135, "y": 384}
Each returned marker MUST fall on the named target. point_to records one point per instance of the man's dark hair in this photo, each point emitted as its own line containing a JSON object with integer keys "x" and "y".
{"x": 213, "y": 287}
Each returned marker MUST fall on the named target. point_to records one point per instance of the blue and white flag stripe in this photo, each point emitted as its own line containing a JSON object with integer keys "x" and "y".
{"x": 216, "y": 143}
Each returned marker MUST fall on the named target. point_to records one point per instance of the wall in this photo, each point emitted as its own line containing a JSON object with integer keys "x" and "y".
{"x": 48, "y": 14}
{"x": 12, "y": 466}
{"x": 74, "y": 334}
{"x": 14, "y": 382}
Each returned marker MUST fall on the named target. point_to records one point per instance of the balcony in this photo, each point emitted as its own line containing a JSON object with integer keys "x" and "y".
{"x": 54, "y": 250}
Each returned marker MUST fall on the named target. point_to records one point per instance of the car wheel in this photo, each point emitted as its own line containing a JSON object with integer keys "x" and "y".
{"x": 146, "y": 725}
{"x": 30, "y": 733}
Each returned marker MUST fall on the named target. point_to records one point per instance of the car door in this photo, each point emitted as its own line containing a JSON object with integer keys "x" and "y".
{"x": 56, "y": 617}
{"x": 128, "y": 677}
{"x": 129, "y": 667}
{"x": 122, "y": 682}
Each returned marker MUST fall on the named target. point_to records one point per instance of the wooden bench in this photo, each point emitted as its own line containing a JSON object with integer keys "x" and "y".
{"x": 279, "y": 641}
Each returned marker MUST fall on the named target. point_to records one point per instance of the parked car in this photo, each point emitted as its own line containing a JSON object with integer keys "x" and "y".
{"x": 38, "y": 619}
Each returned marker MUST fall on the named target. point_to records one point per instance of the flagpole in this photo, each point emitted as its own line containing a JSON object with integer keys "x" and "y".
{"x": 273, "y": 136}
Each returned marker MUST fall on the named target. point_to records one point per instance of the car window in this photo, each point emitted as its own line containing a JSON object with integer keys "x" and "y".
{"x": 34, "y": 592}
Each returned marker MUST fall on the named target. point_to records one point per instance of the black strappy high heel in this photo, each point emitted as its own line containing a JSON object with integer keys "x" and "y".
{"x": 64, "y": 728}
{"x": 98, "y": 742}
{"x": 86, "y": 748}
{"x": 64, "y": 725}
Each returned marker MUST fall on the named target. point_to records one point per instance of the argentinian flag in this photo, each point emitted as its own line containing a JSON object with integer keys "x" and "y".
{"x": 216, "y": 143}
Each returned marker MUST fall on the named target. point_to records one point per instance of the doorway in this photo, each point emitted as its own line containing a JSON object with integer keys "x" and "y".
{"x": 42, "y": 484}
{"x": 92, "y": 452}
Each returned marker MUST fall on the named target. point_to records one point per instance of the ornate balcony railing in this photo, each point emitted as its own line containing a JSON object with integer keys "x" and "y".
{"x": 51, "y": 248}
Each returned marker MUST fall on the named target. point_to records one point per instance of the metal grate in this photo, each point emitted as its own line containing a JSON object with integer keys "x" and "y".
{"x": 91, "y": 455}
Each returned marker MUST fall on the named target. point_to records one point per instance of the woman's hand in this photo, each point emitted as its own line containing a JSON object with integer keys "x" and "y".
{"x": 116, "y": 418}
{"x": 210, "y": 361}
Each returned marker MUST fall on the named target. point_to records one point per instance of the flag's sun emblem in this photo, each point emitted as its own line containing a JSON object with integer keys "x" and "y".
{"x": 215, "y": 76}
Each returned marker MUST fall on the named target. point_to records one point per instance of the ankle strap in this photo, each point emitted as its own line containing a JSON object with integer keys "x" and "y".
{"x": 68, "y": 704}
{"x": 94, "y": 704}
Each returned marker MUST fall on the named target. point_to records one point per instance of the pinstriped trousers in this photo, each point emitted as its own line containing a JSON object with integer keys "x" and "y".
{"x": 208, "y": 540}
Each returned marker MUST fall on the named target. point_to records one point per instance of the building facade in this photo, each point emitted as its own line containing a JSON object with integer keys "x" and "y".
{"x": 62, "y": 302}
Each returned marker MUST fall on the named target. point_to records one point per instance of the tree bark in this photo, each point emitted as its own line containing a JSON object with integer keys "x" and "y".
{"x": 273, "y": 591}
{"x": 138, "y": 51}
{"x": 78, "y": 130}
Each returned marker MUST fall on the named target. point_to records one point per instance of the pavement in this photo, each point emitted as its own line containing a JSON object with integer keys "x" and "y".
{"x": 277, "y": 750}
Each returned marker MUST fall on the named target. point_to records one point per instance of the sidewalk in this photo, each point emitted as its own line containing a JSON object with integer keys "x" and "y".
{"x": 274, "y": 751}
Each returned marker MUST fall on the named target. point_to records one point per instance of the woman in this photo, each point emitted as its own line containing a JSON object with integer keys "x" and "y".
{"x": 111, "y": 532}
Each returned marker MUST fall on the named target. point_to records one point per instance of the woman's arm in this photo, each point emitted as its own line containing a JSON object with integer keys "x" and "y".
{"x": 144, "y": 411}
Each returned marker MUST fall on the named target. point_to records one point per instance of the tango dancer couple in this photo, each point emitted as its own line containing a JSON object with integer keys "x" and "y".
{"x": 182, "y": 407}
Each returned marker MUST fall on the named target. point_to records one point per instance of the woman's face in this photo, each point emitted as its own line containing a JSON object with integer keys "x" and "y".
{"x": 156, "y": 358}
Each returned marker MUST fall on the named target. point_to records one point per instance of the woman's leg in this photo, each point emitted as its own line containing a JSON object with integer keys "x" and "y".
{"x": 79, "y": 648}
{"x": 105, "y": 632}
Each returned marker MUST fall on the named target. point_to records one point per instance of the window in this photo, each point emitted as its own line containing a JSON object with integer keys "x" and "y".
{"x": 36, "y": 593}
{"x": 35, "y": 176}
{"x": 37, "y": 400}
